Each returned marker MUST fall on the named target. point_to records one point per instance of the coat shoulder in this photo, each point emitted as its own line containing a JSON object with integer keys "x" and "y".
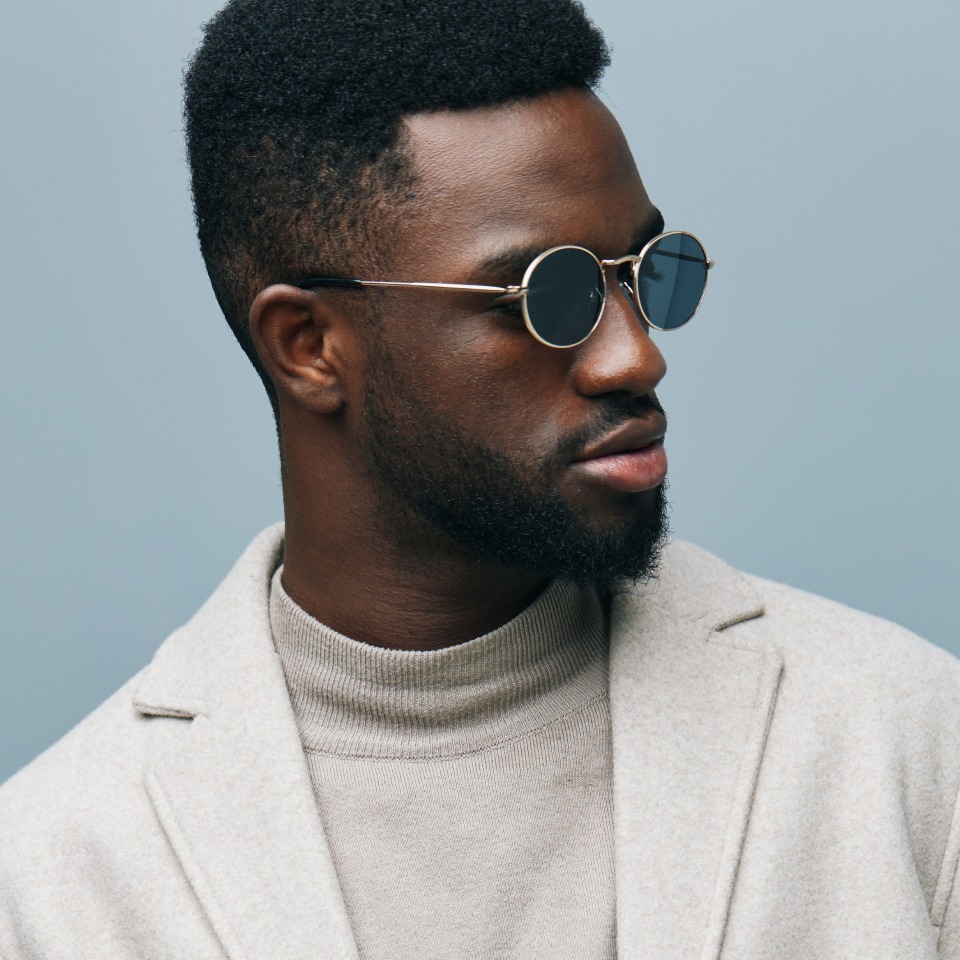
{"x": 78, "y": 836}
{"x": 69, "y": 804}
{"x": 68, "y": 809}
{"x": 863, "y": 744}
{"x": 103, "y": 741}
{"x": 832, "y": 639}
{"x": 810, "y": 631}
{"x": 859, "y": 692}
{"x": 843, "y": 670}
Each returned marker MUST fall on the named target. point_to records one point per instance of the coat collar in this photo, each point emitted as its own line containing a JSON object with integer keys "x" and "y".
{"x": 690, "y": 707}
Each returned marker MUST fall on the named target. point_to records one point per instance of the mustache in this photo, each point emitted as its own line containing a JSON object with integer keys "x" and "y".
{"x": 613, "y": 412}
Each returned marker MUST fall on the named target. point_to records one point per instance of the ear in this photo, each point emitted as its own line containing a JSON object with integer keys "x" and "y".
{"x": 303, "y": 342}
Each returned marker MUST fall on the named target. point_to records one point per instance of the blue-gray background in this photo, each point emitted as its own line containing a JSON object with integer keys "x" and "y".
{"x": 813, "y": 145}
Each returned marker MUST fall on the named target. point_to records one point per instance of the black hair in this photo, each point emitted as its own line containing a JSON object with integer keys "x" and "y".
{"x": 293, "y": 113}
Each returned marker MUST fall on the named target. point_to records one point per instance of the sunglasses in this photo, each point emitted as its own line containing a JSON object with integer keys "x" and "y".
{"x": 564, "y": 289}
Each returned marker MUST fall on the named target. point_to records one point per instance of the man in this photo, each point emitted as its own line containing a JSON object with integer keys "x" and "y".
{"x": 461, "y": 706}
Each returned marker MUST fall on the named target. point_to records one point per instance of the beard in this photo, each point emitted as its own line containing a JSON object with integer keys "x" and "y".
{"x": 436, "y": 481}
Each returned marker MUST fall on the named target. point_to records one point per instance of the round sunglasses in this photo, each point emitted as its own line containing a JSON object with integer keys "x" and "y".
{"x": 564, "y": 289}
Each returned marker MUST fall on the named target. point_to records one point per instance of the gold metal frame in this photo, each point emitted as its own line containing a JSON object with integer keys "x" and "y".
{"x": 523, "y": 288}
{"x": 638, "y": 257}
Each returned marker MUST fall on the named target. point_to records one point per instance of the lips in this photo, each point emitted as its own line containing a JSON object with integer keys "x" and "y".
{"x": 630, "y": 459}
{"x": 634, "y": 435}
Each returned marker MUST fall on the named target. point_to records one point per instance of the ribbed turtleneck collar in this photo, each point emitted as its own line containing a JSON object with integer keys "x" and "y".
{"x": 354, "y": 699}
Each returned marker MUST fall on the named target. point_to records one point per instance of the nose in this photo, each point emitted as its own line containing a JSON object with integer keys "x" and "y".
{"x": 619, "y": 356}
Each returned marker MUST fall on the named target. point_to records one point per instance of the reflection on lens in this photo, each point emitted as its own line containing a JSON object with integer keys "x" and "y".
{"x": 671, "y": 280}
{"x": 564, "y": 296}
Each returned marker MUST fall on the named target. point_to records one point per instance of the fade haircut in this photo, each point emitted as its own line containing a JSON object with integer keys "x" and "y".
{"x": 293, "y": 112}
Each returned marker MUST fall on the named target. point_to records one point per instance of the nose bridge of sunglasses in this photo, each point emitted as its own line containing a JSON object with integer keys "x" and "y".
{"x": 624, "y": 271}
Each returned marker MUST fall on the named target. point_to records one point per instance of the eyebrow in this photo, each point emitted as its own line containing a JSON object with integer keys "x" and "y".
{"x": 513, "y": 261}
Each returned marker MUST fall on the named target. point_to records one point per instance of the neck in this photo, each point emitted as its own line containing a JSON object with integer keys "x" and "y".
{"x": 351, "y": 576}
{"x": 412, "y": 590}
{"x": 399, "y": 602}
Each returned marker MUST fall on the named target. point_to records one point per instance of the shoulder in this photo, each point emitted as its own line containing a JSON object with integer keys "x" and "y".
{"x": 846, "y": 677}
{"x": 105, "y": 742}
{"x": 103, "y": 756}
{"x": 859, "y": 687}
{"x": 87, "y": 785}
{"x": 69, "y": 823}
{"x": 835, "y": 644}
{"x": 863, "y": 741}
{"x": 858, "y": 697}
{"x": 814, "y": 635}
{"x": 78, "y": 825}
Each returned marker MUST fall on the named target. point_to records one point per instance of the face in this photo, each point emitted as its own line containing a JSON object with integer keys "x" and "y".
{"x": 524, "y": 455}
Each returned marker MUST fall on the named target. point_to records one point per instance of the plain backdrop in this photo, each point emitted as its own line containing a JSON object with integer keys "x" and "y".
{"x": 813, "y": 403}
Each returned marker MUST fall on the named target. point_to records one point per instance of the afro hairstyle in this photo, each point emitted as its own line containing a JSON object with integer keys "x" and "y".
{"x": 293, "y": 112}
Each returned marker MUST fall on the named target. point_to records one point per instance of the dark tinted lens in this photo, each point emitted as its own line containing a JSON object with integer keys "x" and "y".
{"x": 565, "y": 296}
{"x": 671, "y": 279}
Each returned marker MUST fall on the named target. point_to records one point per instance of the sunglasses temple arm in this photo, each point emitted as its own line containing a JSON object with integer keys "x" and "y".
{"x": 328, "y": 282}
{"x": 346, "y": 282}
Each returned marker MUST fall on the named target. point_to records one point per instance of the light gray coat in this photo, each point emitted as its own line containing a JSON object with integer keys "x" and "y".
{"x": 786, "y": 778}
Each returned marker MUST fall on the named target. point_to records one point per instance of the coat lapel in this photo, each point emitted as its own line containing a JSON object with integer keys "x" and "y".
{"x": 229, "y": 781}
{"x": 690, "y": 709}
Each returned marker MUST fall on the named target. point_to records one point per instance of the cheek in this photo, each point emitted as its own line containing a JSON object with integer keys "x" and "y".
{"x": 493, "y": 381}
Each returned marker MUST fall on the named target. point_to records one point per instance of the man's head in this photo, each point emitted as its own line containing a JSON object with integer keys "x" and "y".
{"x": 294, "y": 117}
{"x": 424, "y": 142}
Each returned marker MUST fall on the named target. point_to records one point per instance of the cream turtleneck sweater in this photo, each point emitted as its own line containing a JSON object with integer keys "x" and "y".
{"x": 466, "y": 793}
